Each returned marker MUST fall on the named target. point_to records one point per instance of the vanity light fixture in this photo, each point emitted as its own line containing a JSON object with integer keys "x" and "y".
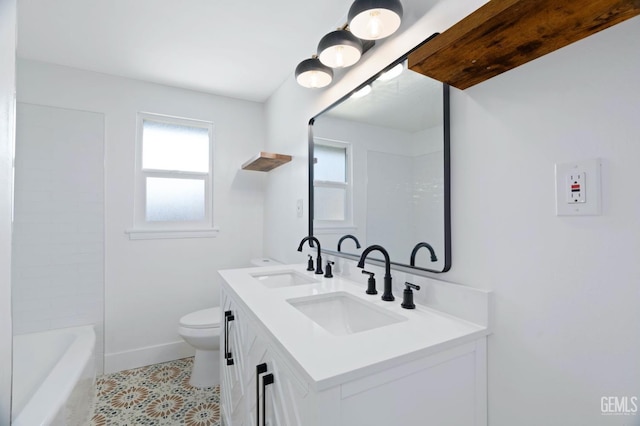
{"x": 392, "y": 73}
{"x": 369, "y": 20}
{"x": 312, "y": 73}
{"x": 339, "y": 49}
{"x": 361, "y": 93}
{"x": 375, "y": 19}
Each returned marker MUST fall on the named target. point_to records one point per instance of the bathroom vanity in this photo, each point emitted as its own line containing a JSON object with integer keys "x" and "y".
{"x": 301, "y": 349}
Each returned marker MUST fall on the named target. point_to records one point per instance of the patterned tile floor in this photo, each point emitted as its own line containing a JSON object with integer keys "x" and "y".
{"x": 155, "y": 395}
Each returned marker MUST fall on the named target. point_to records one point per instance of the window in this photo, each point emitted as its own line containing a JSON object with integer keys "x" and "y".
{"x": 332, "y": 184}
{"x": 173, "y": 178}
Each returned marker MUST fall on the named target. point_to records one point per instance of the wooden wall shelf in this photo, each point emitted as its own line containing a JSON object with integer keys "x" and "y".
{"x": 504, "y": 34}
{"x": 266, "y": 161}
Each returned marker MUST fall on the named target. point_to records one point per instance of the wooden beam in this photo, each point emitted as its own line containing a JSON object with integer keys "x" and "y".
{"x": 504, "y": 34}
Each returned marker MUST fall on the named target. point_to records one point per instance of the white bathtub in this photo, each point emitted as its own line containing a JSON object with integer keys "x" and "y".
{"x": 54, "y": 377}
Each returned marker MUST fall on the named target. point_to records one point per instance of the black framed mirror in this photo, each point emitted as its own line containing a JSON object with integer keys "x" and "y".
{"x": 379, "y": 170}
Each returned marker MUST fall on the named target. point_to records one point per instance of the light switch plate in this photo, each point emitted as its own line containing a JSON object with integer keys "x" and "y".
{"x": 578, "y": 189}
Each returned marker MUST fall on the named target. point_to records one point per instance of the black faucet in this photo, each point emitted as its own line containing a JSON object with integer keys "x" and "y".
{"x": 348, "y": 236}
{"x": 415, "y": 251}
{"x": 387, "y": 295}
{"x": 319, "y": 258}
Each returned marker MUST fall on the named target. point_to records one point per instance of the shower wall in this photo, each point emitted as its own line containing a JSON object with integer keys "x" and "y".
{"x": 58, "y": 239}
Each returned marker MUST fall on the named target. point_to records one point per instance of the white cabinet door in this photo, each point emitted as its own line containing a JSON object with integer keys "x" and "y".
{"x": 243, "y": 384}
{"x": 256, "y": 352}
{"x": 283, "y": 394}
{"x": 233, "y": 393}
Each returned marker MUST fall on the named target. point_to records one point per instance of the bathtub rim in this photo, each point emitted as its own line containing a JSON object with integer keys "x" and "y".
{"x": 61, "y": 380}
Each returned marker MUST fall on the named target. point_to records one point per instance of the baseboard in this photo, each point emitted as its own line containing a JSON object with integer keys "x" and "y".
{"x": 148, "y": 355}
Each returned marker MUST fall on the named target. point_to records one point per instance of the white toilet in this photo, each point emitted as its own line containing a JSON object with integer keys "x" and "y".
{"x": 201, "y": 329}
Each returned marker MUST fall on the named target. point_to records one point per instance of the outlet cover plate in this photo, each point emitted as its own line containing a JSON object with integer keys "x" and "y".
{"x": 590, "y": 171}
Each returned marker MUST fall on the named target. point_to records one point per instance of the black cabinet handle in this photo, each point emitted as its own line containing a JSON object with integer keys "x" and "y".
{"x": 228, "y": 316}
{"x": 260, "y": 369}
{"x": 267, "y": 379}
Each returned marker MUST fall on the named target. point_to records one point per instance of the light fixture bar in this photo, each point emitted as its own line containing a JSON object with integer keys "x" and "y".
{"x": 369, "y": 20}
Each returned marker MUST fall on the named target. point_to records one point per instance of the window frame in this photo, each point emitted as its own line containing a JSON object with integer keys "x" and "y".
{"x": 144, "y": 229}
{"x": 328, "y": 226}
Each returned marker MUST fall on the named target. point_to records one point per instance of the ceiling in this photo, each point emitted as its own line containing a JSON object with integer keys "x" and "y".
{"x": 240, "y": 49}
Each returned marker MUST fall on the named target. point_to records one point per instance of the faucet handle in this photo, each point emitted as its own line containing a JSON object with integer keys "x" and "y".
{"x": 328, "y": 271}
{"x": 371, "y": 283}
{"x": 310, "y": 263}
{"x": 412, "y": 286}
{"x": 407, "y": 295}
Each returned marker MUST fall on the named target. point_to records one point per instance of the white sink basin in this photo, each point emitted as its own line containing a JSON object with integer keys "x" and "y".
{"x": 341, "y": 313}
{"x": 278, "y": 279}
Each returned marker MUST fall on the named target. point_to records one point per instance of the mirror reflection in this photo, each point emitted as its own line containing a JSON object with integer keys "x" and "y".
{"x": 380, "y": 170}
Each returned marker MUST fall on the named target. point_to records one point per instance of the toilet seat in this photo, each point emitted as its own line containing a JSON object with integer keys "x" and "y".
{"x": 205, "y": 318}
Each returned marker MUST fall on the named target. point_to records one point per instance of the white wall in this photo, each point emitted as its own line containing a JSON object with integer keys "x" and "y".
{"x": 566, "y": 288}
{"x": 58, "y": 224}
{"x": 7, "y": 125}
{"x": 566, "y": 323}
{"x": 150, "y": 284}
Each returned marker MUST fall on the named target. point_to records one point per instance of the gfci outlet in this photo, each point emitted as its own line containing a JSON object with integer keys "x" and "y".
{"x": 578, "y": 188}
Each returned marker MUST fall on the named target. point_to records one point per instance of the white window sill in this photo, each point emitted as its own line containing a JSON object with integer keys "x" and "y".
{"x": 158, "y": 234}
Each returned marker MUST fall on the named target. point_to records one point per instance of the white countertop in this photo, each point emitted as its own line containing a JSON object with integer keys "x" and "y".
{"x": 328, "y": 360}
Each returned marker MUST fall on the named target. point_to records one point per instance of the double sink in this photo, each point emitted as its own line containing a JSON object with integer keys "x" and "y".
{"x": 340, "y": 313}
